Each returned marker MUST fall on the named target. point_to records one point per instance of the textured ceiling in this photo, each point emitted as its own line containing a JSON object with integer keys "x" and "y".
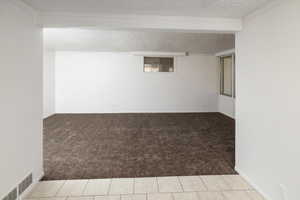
{"x": 122, "y": 41}
{"x": 202, "y": 8}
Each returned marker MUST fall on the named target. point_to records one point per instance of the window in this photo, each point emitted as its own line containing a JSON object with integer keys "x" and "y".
{"x": 227, "y": 76}
{"x": 158, "y": 64}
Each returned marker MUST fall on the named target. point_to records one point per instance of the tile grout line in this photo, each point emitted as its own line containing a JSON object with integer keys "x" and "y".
{"x": 62, "y": 185}
{"x": 133, "y": 186}
{"x": 87, "y": 182}
{"x": 180, "y": 183}
{"x": 222, "y": 193}
{"x": 229, "y": 185}
{"x": 206, "y": 187}
{"x": 172, "y": 196}
{"x": 109, "y": 187}
{"x": 198, "y": 195}
{"x": 156, "y": 179}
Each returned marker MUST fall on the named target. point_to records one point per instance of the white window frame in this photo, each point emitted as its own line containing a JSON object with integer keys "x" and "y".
{"x": 222, "y": 76}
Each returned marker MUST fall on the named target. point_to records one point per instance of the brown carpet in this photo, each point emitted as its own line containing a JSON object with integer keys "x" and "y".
{"x": 87, "y": 146}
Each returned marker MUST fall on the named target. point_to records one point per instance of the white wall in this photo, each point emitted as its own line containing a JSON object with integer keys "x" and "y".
{"x": 227, "y": 105}
{"x": 20, "y": 96}
{"x": 91, "y": 82}
{"x": 49, "y": 83}
{"x": 268, "y": 96}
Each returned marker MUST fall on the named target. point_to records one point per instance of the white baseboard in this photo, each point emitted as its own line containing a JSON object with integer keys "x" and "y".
{"x": 50, "y": 115}
{"x": 139, "y": 112}
{"x": 248, "y": 179}
{"x": 30, "y": 188}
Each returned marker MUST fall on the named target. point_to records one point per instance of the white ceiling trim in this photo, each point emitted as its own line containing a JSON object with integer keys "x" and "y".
{"x": 169, "y": 23}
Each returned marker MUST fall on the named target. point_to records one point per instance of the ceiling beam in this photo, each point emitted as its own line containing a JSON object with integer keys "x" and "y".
{"x": 147, "y": 22}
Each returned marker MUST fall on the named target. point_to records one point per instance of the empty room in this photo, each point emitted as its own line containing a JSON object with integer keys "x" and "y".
{"x": 149, "y": 100}
{"x": 118, "y": 112}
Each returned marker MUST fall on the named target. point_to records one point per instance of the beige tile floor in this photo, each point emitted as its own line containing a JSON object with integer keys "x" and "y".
{"x": 223, "y": 187}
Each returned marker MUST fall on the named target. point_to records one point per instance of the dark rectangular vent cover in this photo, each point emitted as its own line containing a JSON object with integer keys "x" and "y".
{"x": 25, "y": 184}
{"x": 13, "y": 195}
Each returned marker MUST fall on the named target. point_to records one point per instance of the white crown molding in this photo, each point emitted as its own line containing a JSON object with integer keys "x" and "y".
{"x": 151, "y": 22}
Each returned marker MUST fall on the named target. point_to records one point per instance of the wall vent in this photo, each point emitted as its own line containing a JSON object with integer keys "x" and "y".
{"x": 13, "y": 195}
{"x": 25, "y": 183}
